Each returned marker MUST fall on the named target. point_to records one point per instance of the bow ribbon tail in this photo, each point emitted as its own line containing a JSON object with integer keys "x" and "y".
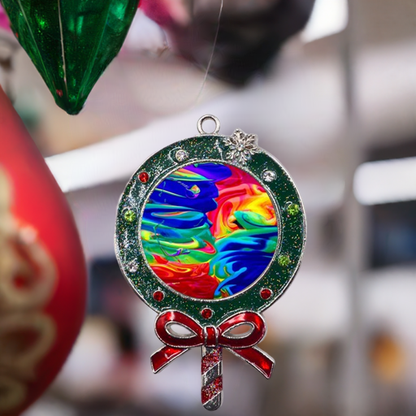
{"x": 256, "y": 357}
{"x": 162, "y": 357}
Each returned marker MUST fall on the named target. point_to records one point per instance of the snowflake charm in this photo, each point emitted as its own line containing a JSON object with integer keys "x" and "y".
{"x": 241, "y": 147}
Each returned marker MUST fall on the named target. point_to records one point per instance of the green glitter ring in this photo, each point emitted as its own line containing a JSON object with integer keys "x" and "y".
{"x": 277, "y": 276}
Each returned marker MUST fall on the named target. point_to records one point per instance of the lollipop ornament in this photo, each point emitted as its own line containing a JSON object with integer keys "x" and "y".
{"x": 210, "y": 232}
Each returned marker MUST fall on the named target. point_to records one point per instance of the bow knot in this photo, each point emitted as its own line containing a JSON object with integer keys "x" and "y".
{"x": 212, "y": 336}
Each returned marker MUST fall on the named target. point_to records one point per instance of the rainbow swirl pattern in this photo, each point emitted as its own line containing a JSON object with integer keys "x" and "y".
{"x": 209, "y": 230}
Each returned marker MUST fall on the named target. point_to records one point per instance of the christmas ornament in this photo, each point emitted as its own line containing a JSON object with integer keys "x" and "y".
{"x": 71, "y": 43}
{"x": 210, "y": 232}
{"x": 42, "y": 272}
{"x": 234, "y": 42}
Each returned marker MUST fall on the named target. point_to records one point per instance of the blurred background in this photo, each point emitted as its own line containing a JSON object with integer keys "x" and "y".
{"x": 329, "y": 86}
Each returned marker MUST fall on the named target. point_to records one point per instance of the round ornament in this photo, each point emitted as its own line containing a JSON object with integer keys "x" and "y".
{"x": 43, "y": 281}
{"x": 210, "y": 232}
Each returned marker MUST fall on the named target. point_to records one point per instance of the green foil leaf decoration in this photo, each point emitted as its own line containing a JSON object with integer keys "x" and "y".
{"x": 71, "y": 42}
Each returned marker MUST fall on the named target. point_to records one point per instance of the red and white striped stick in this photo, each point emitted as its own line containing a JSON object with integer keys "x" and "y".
{"x": 211, "y": 372}
{"x": 212, "y": 339}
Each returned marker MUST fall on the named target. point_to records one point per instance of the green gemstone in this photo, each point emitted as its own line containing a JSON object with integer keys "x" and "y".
{"x": 129, "y": 215}
{"x": 71, "y": 42}
{"x": 283, "y": 260}
{"x": 293, "y": 209}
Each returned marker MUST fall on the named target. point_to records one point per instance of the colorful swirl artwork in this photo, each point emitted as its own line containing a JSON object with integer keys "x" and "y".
{"x": 209, "y": 230}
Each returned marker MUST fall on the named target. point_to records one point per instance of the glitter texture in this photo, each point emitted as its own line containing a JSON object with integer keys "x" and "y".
{"x": 210, "y": 391}
{"x": 210, "y": 360}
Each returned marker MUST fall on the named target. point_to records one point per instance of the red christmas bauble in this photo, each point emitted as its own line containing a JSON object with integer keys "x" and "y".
{"x": 42, "y": 269}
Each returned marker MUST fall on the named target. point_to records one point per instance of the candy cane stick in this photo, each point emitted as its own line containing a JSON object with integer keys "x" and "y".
{"x": 211, "y": 372}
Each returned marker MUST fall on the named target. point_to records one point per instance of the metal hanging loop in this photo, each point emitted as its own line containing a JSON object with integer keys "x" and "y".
{"x": 205, "y": 118}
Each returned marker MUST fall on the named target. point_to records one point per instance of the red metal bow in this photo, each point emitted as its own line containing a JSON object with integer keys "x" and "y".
{"x": 211, "y": 336}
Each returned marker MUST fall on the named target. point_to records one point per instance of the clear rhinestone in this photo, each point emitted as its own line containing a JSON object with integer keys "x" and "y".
{"x": 269, "y": 176}
{"x": 132, "y": 266}
{"x": 181, "y": 155}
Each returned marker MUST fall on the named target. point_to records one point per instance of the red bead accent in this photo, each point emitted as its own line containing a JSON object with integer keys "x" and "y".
{"x": 60, "y": 92}
{"x": 265, "y": 293}
{"x": 206, "y": 313}
{"x": 158, "y": 295}
{"x": 143, "y": 177}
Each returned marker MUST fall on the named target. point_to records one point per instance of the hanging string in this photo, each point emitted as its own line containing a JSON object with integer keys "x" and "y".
{"x": 204, "y": 81}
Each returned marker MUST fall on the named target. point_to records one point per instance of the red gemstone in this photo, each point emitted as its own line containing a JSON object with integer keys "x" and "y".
{"x": 60, "y": 92}
{"x": 158, "y": 295}
{"x": 265, "y": 293}
{"x": 143, "y": 177}
{"x": 206, "y": 313}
